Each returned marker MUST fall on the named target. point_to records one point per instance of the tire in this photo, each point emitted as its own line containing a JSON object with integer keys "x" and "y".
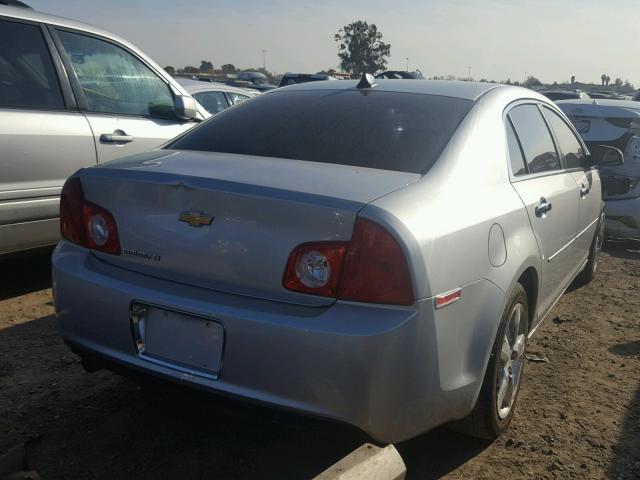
{"x": 589, "y": 271}
{"x": 486, "y": 420}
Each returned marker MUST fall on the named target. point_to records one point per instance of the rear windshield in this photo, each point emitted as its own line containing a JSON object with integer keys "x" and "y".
{"x": 376, "y": 129}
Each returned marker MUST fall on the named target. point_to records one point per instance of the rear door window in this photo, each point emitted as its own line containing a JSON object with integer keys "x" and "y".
{"x": 572, "y": 150}
{"x": 27, "y": 75}
{"x": 535, "y": 138}
{"x": 377, "y": 129}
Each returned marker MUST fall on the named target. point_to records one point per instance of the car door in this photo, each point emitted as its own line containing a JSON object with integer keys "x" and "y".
{"x": 548, "y": 192}
{"x": 43, "y": 137}
{"x": 587, "y": 180}
{"x": 129, "y": 106}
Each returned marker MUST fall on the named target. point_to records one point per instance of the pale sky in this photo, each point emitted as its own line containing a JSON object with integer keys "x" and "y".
{"x": 498, "y": 39}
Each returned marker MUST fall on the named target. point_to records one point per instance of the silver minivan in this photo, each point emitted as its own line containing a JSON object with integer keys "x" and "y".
{"x": 72, "y": 95}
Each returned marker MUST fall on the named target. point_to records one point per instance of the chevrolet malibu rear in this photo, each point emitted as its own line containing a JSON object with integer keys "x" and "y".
{"x": 322, "y": 249}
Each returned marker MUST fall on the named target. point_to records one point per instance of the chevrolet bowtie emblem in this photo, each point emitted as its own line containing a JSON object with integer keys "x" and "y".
{"x": 196, "y": 219}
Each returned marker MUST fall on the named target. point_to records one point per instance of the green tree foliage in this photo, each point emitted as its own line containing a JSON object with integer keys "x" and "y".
{"x": 531, "y": 81}
{"x": 361, "y": 49}
{"x": 206, "y": 66}
{"x": 170, "y": 70}
{"x": 190, "y": 69}
{"x": 228, "y": 68}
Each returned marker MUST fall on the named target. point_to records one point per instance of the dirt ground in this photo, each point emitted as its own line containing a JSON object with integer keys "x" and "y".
{"x": 578, "y": 414}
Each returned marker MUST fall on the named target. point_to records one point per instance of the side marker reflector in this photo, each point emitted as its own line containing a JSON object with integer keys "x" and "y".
{"x": 448, "y": 298}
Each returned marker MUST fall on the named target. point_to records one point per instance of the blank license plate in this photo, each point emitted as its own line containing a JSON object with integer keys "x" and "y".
{"x": 184, "y": 340}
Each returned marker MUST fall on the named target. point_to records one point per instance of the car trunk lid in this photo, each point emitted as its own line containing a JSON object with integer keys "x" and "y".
{"x": 229, "y": 222}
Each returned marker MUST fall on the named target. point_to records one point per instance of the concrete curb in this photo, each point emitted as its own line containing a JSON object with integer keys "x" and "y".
{"x": 367, "y": 462}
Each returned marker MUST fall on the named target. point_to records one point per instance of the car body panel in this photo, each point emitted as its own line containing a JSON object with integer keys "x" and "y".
{"x": 40, "y": 149}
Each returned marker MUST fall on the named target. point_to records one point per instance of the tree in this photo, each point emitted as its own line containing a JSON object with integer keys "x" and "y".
{"x": 170, "y": 70}
{"x": 531, "y": 81}
{"x": 361, "y": 49}
{"x": 573, "y": 79}
{"x": 206, "y": 66}
{"x": 228, "y": 68}
{"x": 618, "y": 83}
{"x": 190, "y": 69}
{"x": 607, "y": 80}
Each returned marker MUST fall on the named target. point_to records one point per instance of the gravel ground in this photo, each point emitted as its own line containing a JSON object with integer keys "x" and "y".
{"x": 578, "y": 415}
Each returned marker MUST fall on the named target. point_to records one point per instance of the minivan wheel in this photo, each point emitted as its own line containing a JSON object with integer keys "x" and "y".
{"x": 589, "y": 271}
{"x": 496, "y": 403}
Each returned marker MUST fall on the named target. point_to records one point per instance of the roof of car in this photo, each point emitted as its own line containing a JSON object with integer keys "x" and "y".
{"x": 603, "y": 102}
{"x": 600, "y": 108}
{"x": 467, "y": 90}
{"x": 193, "y": 86}
{"x": 35, "y": 16}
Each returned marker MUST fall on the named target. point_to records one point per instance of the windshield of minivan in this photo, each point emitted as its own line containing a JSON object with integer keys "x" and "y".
{"x": 377, "y": 129}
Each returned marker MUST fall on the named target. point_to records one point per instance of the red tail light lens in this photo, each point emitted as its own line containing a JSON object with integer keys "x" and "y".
{"x": 371, "y": 268}
{"x": 315, "y": 268}
{"x": 85, "y": 223}
{"x": 375, "y": 268}
{"x": 71, "y": 217}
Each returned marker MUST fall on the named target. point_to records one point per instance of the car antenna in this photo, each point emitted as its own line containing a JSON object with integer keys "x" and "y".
{"x": 367, "y": 81}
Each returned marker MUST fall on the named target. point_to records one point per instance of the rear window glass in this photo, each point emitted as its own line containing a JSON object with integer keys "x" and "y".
{"x": 376, "y": 129}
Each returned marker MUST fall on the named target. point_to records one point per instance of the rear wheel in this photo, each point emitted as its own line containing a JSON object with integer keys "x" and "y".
{"x": 496, "y": 403}
{"x": 589, "y": 271}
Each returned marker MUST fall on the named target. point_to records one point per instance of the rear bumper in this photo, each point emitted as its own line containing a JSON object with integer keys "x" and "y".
{"x": 623, "y": 218}
{"x": 392, "y": 372}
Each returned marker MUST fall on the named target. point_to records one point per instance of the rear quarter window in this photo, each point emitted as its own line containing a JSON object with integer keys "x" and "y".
{"x": 375, "y": 129}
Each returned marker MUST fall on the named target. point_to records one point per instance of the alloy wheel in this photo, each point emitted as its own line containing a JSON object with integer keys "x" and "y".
{"x": 511, "y": 361}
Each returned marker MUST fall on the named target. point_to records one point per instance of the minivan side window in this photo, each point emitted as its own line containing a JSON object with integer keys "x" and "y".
{"x": 115, "y": 81}
{"x": 27, "y": 76}
{"x": 571, "y": 147}
{"x": 535, "y": 138}
{"x": 516, "y": 159}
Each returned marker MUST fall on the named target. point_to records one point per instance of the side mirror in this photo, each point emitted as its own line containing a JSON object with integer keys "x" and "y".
{"x": 606, "y": 156}
{"x": 185, "y": 107}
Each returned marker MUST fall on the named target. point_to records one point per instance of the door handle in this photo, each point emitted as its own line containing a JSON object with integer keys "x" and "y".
{"x": 116, "y": 137}
{"x": 543, "y": 207}
{"x": 584, "y": 190}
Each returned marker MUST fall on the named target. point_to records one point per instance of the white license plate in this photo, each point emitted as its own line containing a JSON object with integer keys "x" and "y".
{"x": 185, "y": 342}
{"x": 582, "y": 126}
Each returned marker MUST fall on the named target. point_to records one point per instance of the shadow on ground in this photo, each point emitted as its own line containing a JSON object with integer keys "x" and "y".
{"x": 25, "y": 273}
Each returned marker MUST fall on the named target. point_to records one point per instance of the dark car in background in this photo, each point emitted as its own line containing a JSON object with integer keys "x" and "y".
{"x": 295, "y": 78}
{"x": 255, "y": 80}
{"x": 401, "y": 75}
{"x": 564, "y": 94}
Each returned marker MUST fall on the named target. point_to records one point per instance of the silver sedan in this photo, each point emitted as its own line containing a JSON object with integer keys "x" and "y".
{"x": 373, "y": 253}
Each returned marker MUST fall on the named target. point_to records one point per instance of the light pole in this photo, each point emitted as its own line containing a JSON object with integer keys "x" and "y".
{"x": 264, "y": 60}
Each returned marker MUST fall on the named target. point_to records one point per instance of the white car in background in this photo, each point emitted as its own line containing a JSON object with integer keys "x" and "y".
{"x": 615, "y": 123}
{"x": 215, "y": 96}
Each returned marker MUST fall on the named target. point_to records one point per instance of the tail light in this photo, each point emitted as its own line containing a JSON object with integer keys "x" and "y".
{"x": 85, "y": 223}
{"x": 370, "y": 268}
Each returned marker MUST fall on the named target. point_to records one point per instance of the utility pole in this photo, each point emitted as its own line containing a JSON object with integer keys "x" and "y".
{"x": 264, "y": 60}
{"x": 407, "y": 59}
